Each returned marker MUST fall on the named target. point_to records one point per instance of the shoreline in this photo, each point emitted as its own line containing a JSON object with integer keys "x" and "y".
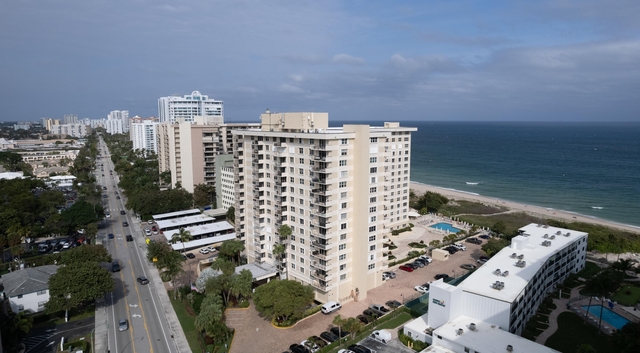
{"x": 544, "y": 212}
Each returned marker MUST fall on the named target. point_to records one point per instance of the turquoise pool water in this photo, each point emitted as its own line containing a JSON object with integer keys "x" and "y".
{"x": 608, "y": 316}
{"x": 446, "y": 226}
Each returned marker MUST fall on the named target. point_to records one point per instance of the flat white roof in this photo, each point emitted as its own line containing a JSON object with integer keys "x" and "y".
{"x": 184, "y": 221}
{"x": 201, "y": 229}
{"x": 534, "y": 254}
{"x": 162, "y": 216}
{"x": 419, "y": 324}
{"x": 204, "y": 241}
{"x": 486, "y": 338}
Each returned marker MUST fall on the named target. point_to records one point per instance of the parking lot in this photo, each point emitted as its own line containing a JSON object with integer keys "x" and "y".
{"x": 251, "y": 328}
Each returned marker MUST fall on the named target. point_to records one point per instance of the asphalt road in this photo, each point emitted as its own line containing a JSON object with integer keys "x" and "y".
{"x": 47, "y": 339}
{"x": 148, "y": 329}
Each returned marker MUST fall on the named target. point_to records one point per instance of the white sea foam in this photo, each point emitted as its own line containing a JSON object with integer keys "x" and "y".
{"x": 471, "y": 183}
{"x": 597, "y": 207}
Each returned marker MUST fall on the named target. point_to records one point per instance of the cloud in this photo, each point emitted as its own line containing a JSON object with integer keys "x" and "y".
{"x": 288, "y": 88}
{"x": 346, "y": 59}
{"x": 446, "y": 38}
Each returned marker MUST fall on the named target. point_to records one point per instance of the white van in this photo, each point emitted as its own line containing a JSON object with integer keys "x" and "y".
{"x": 383, "y": 336}
{"x": 330, "y": 307}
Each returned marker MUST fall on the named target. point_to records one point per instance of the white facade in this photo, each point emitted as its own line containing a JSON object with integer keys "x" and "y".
{"x": 121, "y": 116}
{"x": 226, "y": 190}
{"x": 74, "y": 130}
{"x": 184, "y": 109}
{"x": 70, "y": 119}
{"x": 28, "y": 289}
{"x": 506, "y": 291}
{"x": 340, "y": 190}
{"x": 143, "y": 134}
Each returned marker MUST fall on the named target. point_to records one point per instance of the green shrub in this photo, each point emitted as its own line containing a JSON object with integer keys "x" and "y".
{"x": 165, "y": 277}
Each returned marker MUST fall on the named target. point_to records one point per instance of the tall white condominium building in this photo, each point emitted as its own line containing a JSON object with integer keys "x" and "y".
{"x": 123, "y": 116}
{"x": 340, "y": 190}
{"x": 70, "y": 119}
{"x": 176, "y": 109}
{"x": 489, "y": 309}
{"x": 74, "y": 130}
{"x": 143, "y": 134}
{"x": 113, "y": 126}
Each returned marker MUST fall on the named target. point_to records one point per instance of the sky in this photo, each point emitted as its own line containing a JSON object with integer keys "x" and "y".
{"x": 555, "y": 60}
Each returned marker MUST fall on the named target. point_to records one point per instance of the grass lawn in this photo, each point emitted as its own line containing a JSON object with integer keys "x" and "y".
{"x": 188, "y": 324}
{"x": 470, "y": 207}
{"x": 590, "y": 269}
{"x": 572, "y": 332}
{"x": 512, "y": 221}
{"x": 630, "y": 299}
{"x": 395, "y": 322}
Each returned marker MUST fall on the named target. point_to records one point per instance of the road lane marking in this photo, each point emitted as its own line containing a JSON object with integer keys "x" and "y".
{"x": 144, "y": 319}
{"x": 126, "y": 302}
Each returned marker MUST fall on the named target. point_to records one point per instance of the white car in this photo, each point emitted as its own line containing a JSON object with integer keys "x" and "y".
{"x": 460, "y": 246}
{"x": 204, "y": 251}
{"x": 421, "y": 289}
{"x": 425, "y": 258}
{"x": 310, "y": 346}
{"x": 108, "y": 215}
{"x": 150, "y": 221}
{"x": 147, "y": 231}
{"x": 211, "y": 248}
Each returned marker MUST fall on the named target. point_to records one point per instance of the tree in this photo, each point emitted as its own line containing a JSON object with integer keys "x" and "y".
{"x": 231, "y": 214}
{"x": 75, "y": 284}
{"x": 204, "y": 195}
{"x": 434, "y": 243}
{"x": 601, "y": 285}
{"x": 166, "y": 259}
{"x": 493, "y": 245}
{"x": 211, "y": 313}
{"x": 284, "y": 232}
{"x": 283, "y": 299}
{"x": 586, "y": 348}
{"x": 627, "y": 339}
{"x": 499, "y": 227}
{"x": 340, "y": 322}
{"x": 13, "y": 329}
{"x": 84, "y": 254}
{"x": 353, "y": 326}
{"x": 79, "y": 215}
{"x": 182, "y": 236}
{"x": 231, "y": 249}
{"x": 10, "y": 160}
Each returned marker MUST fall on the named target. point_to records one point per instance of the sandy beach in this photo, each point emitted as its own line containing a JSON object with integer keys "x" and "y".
{"x": 420, "y": 189}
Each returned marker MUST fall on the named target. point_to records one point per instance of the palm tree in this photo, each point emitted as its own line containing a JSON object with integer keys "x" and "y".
{"x": 601, "y": 285}
{"x": 339, "y": 321}
{"x": 278, "y": 251}
{"x": 182, "y": 236}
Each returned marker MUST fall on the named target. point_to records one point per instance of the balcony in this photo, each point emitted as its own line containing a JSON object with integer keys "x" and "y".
{"x": 319, "y": 245}
{"x": 315, "y": 233}
{"x": 321, "y": 285}
{"x": 319, "y": 266}
{"x": 319, "y": 255}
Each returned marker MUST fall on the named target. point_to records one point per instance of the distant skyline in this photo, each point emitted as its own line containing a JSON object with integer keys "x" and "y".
{"x": 556, "y": 60}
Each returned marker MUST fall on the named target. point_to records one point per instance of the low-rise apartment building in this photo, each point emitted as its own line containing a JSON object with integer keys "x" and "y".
{"x": 28, "y": 289}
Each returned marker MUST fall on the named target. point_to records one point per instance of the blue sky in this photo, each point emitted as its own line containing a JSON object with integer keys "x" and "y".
{"x": 358, "y": 60}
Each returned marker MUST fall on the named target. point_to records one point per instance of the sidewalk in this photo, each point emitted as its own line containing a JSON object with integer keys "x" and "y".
{"x": 561, "y": 306}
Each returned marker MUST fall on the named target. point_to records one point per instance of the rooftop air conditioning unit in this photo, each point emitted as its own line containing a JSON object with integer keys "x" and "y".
{"x": 509, "y": 348}
{"x": 568, "y": 234}
{"x": 505, "y": 273}
{"x": 558, "y": 232}
{"x": 497, "y": 272}
{"x": 513, "y": 256}
{"x": 552, "y": 237}
{"x": 460, "y": 331}
{"x": 472, "y": 326}
{"x": 545, "y": 236}
{"x": 521, "y": 256}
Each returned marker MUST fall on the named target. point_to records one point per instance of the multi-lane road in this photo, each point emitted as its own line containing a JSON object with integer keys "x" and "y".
{"x": 137, "y": 303}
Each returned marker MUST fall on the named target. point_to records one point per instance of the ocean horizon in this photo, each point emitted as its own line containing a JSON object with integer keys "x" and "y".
{"x": 591, "y": 169}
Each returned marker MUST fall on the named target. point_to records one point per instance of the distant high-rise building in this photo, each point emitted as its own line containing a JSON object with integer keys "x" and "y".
{"x": 70, "y": 119}
{"x": 175, "y": 109}
{"x": 118, "y": 115}
{"x": 340, "y": 190}
{"x": 74, "y": 130}
{"x": 143, "y": 134}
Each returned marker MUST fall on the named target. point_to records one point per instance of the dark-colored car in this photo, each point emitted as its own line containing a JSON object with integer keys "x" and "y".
{"x": 298, "y": 348}
{"x": 123, "y": 212}
{"x": 451, "y": 250}
{"x": 115, "y": 267}
{"x": 129, "y": 237}
{"x": 422, "y": 261}
{"x": 104, "y": 188}
{"x": 371, "y": 313}
{"x": 104, "y": 196}
{"x": 142, "y": 280}
{"x": 110, "y": 236}
{"x": 118, "y": 197}
{"x": 364, "y": 319}
{"x": 417, "y": 264}
{"x": 485, "y": 237}
{"x": 191, "y": 255}
{"x": 329, "y": 336}
{"x": 318, "y": 341}
{"x": 341, "y": 333}
{"x": 406, "y": 268}
{"x": 125, "y": 224}
{"x": 474, "y": 241}
{"x": 393, "y": 304}
{"x": 442, "y": 276}
{"x": 356, "y": 348}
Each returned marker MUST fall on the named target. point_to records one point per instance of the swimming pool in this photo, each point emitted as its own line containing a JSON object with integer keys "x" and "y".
{"x": 445, "y": 226}
{"x": 608, "y": 316}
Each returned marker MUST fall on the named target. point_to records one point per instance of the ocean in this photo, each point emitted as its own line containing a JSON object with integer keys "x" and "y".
{"x": 591, "y": 169}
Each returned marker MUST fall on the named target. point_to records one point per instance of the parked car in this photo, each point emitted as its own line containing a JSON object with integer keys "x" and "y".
{"x": 150, "y": 221}
{"x": 191, "y": 255}
{"x": 142, "y": 280}
{"x": 104, "y": 187}
{"x": 422, "y": 261}
{"x": 329, "y": 336}
{"x": 204, "y": 251}
{"x": 118, "y": 197}
{"x": 421, "y": 289}
{"x": 108, "y": 215}
{"x": 319, "y": 341}
{"x": 364, "y": 319}
{"x": 406, "y": 267}
{"x": 469, "y": 266}
{"x": 383, "y": 336}
{"x": 330, "y": 307}
{"x": 296, "y": 348}
{"x": 388, "y": 275}
{"x": 484, "y": 236}
{"x": 474, "y": 241}
{"x": 426, "y": 258}
{"x": 310, "y": 346}
{"x": 147, "y": 231}
{"x": 418, "y": 264}
{"x": 379, "y": 308}
{"x": 393, "y": 304}
{"x": 356, "y": 348}
{"x": 452, "y": 250}
{"x": 442, "y": 276}
{"x": 459, "y": 246}
{"x": 370, "y": 313}
{"x": 129, "y": 237}
{"x": 123, "y": 325}
{"x": 338, "y": 332}
{"x": 481, "y": 261}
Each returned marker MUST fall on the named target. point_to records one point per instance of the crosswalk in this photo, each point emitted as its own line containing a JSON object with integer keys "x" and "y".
{"x": 31, "y": 342}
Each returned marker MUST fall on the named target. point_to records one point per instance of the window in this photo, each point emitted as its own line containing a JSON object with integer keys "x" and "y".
{"x": 372, "y": 209}
{"x": 342, "y": 184}
{"x": 41, "y": 292}
{"x": 372, "y": 247}
{"x": 293, "y": 266}
{"x": 19, "y": 296}
{"x": 343, "y": 162}
{"x": 343, "y": 195}
{"x": 374, "y": 180}
{"x": 293, "y": 256}
{"x": 343, "y": 152}
{"x": 293, "y": 247}
{"x": 301, "y": 181}
{"x": 301, "y": 150}
{"x": 373, "y": 140}
{"x": 301, "y": 191}
{"x": 302, "y": 269}
{"x": 301, "y": 171}
{"x": 372, "y": 257}
{"x": 41, "y": 304}
{"x": 301, "y": 242}
{"x": 342, "y": 257}
{"x": 20, "y": 307}
{"x": 372, "y": 238}
{"x": 373, "y": 170}
{"x": 373, "y": 159}
{"x": 343, "y": 216}
{"x": 302, "y": 250}
{"x": 343, "y": 236}
{"x": 342, "y": 267}
{"x": 372, "y": 229}
{"x": 343, "y": 205}
{"x": 373, "y": 199}
{"x": 372, "y": 219}
{"x": 343, "y": 276}
{"x": 343, "y": 174}
{"x": 342, "y": 246}
{"x": 372, "y": 266}
{"x": 344, "y": 141}
{"x": 343, "y": 226}
{"x": 373, "y": 189}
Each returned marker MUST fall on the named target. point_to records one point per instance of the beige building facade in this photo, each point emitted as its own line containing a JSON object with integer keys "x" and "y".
{"x": 340, "y": 190}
